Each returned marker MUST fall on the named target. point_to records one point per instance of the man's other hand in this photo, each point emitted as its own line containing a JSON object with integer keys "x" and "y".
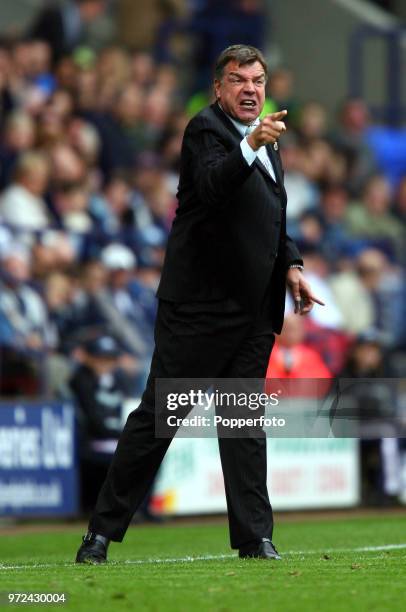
{"x": 301, "y": 292}
{"x": 268, "y": 131}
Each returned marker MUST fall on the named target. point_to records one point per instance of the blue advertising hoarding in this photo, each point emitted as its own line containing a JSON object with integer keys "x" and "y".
{"x": 38, "y": 470}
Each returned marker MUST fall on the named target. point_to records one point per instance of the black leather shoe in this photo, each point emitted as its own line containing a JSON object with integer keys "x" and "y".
{"x": 262, "y": 550}
{"x": 93, "y": 550}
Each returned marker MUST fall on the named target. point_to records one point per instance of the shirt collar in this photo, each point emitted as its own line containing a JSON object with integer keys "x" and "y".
{"x": 241, "y": 127}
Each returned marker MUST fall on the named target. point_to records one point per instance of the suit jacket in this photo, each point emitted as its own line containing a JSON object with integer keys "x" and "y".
{"x": 228, "y": 238}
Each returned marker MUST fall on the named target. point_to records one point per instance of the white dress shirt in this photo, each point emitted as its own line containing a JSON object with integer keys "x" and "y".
{"x": 248, "y": 153}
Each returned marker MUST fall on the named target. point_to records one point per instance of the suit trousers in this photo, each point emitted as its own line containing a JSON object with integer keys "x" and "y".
{"x": 195, "y": 340}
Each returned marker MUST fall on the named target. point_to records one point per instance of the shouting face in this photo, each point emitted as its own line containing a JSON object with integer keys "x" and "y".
{"x": 241, "y": 90}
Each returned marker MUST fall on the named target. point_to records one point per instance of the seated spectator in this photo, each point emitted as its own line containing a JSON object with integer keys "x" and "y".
{"x": 111, "y": 297}
{"x": 120, "y": 129}
{"x": 353, "y": 298}
{"x": 66, "y": 165}
{"x": 125, "y": 302}
{"x": 302, "y": 194}
{"x": 385, "y": 283}
{"x": 18, "y": 136}
{"x": 6, "y": 94}
{"x": 312, "y": 122}
{"x": 153, "y": 202}
{"x": 321, "y": 164}
{"x": 373, "y": 295}
{"x": 350, "y": 138}
{"x": 53, "y": 251}
{"x": 59, "y": 293}
{"x": 400, "y": 201}
{"x": 71, "y": 203}
{"x": 317, "y": 273}
{"x": 111, "y": 208}
{"x": 25, "y": 331}
{"x": 281, "y": 91}
{"x": 292, "y": 358}
{"x": 372, "y": 218}
{"x": 22, "y": 204}
{"x": 333, "y": 210}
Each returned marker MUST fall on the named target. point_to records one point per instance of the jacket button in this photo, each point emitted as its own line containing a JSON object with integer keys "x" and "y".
{"x": 277, "y": 189}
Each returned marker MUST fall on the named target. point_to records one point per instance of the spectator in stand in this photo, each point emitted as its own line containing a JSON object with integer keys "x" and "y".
{"x": 53, "y": 251}
{"x": 312, "y": 123}
{"x": 372, "y": 218}
{"x": 113, "y": 74}
{"x": 281, "y": 92}
{"x": 18, "y": 137}
{"x": 351, "y": 139}
{"x": 152, "y": 201}
{"x": 6, "y": 96}
{"x": 123, "y": 305}
{"x": 384, "y": 283}
{"x": 292, "y": 358}
{"x": 112, "y": 298}
{"x": 63, "y": 27}
{"x": 380, "y": 473}
{"x": 71, "y": 205}
{"x": 142, "y": 69}
{"x": 333, "y": 211}
{"x": 100, "y": 388}
{"x": 120, "y": 129}
{"x": 302, "y": 193}
{"x": 325, "y": 332}
{"x": 317, "y": 271}
{"x": 22, "y": 204}
{"x": 25, "y": 332}
{"x": 66, "y": 165}
{"x": 60, "y": 290}
{"x": 400, "y": 202}
{"x": 111, "y": 208}
{"x": 156, "y": 114}
{"x": 358, "y": 311}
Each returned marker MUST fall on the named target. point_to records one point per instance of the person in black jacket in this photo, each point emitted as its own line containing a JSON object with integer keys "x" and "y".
{"x": 100, "y": 388}
{"x": 62, "y": 27}
{"x": 221, "y": 299}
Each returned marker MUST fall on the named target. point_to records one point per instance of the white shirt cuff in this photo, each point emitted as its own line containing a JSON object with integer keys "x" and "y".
{"x": 248, "y": 154}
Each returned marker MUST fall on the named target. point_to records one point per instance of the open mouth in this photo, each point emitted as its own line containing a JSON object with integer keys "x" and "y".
{"x": 248, "y": 104}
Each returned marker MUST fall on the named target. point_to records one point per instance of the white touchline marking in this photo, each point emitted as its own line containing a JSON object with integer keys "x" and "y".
{"x": 320, "y": 551}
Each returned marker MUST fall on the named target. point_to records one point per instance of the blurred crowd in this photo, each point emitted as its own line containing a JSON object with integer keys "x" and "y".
{"x": 89, "y": 164}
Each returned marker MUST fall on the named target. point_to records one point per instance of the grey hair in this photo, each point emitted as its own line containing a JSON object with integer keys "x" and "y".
{"x": 242, "y": 54}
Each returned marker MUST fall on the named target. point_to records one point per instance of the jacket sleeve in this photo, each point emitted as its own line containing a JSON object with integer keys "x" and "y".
{"x": 292, "y": 253}
{"x": 217, "y": 171}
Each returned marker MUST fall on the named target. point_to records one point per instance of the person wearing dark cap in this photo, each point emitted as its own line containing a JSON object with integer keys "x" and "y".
{"x": 221, "y": 299}
{"x": 100, "y": 388}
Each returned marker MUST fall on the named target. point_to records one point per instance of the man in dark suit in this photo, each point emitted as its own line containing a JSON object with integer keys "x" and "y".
{"x": 62, "y": 27}
{"x": 221, "y": 299}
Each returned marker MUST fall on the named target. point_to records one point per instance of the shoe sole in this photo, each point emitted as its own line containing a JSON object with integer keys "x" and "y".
{"x": 91, "y": 561}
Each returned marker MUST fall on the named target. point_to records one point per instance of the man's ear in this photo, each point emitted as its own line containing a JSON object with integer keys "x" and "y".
{"x": 217, "y": 84}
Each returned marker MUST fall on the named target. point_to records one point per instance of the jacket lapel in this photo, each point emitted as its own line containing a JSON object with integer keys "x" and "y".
{"x": 275, "y": 163}
{"x": 231, "y": 127}
{"x": 226, "y": 121}
{"x": 261, "y": 166}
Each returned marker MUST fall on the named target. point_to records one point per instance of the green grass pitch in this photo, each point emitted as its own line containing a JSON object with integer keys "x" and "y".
{"x": 328, "y": 565}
